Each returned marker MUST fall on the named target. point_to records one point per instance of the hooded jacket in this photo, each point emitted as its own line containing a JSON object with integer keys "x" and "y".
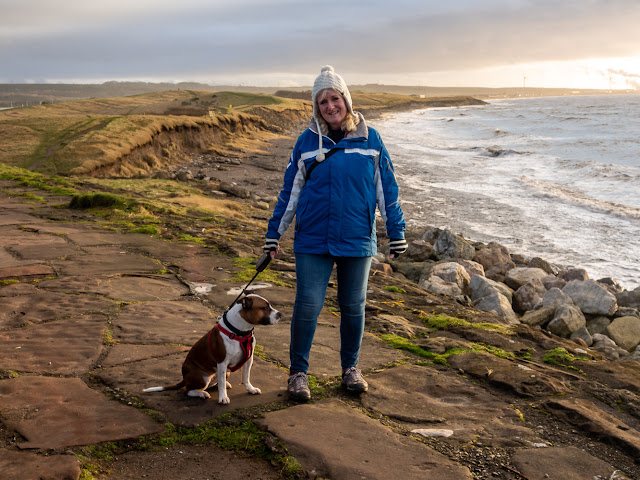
{"x": 334, "y": 208}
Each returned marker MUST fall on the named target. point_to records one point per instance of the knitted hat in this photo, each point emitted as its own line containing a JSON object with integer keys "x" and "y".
{"x": 328, "y": 78}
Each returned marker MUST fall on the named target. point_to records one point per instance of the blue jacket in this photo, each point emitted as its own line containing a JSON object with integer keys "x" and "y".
{"x": 335, "y": 208}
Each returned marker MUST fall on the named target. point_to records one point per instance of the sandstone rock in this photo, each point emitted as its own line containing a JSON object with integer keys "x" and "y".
{"x": 396, "y": 325}
{"x": 556, "y": 297}
{"x": 450, "y": 245}
{"x": 537, "y": 262}
{"x": 627, "y": 312}
{"x": 482, "y": 287}
{"x": 611, "y": 284}
{"x": 520, "y": 260}
{"x": 491, "y": 254}
{"x": 440, "y": 345}
{"x": 437, "y": 285}
{"x": 411, "y": 270}
{"x": 625, "y": 331}
{"x": 629, "y": 299}
{"x": 583, "y": 335}
{"x": 574, "y": 274}
{"x": 498, "y": 271}
{"x": 538, "y": 317}
{"x": 431, "y": 235}
{"x": 234, "y": 190}
{"x": 591, "y": 298}
{"x": 528, "y": 295}
{"x": 598, "y": 325}
{"x": 418, "y": 251}
{"x": 517, "y": 277}
{"x": 382, "y": 268}
{"x": 551, "y": 281}
{"x": 500, "y": 304}
{"x": 567, "y": 319}
{"x": 472, "y": 268}
{"x": 452, "y": 272}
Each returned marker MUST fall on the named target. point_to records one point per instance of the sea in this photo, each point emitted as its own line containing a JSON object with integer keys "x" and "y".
{"x": 552, "y": 177}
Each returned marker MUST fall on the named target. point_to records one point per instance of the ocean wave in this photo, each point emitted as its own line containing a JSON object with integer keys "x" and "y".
{"x": 579, "y": 199}
{"x": 495, "y": 151}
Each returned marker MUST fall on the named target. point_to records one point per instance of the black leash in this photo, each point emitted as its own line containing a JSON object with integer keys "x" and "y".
{"x": 260, "y": 266}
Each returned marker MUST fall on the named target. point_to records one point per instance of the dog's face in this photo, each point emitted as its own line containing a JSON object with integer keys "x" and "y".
{"x": 257, "y": 310}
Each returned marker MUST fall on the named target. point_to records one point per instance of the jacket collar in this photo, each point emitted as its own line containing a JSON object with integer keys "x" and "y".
{"x": 361, "y": 132}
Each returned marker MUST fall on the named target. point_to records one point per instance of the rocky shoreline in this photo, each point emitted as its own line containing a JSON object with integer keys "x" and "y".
{"x": 91, "y": 316}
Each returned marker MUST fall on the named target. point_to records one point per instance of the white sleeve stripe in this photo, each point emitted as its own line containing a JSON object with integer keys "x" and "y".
{"x": 292, "y": 206}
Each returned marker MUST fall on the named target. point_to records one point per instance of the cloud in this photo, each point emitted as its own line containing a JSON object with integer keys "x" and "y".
{"x": 202, "y": 39}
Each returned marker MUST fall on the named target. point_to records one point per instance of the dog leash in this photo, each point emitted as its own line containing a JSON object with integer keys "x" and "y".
{"x": 260, "y": 266}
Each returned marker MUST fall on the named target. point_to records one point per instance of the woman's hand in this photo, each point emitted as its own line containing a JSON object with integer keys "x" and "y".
{"x": 397, "y": 247}
{"x": 271, "y": 246}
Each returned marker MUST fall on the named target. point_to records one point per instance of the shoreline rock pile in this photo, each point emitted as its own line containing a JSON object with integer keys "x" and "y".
{"x": 598, "y": 314}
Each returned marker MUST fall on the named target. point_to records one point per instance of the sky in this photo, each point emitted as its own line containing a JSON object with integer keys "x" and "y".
{"x": 283, "y": 43}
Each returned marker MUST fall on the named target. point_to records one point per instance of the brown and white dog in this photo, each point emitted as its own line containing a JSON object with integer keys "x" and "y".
{"x": 225, "y": 348}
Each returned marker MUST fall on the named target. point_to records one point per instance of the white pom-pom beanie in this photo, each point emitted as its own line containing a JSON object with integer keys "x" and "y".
{"x": 328, "y": 78}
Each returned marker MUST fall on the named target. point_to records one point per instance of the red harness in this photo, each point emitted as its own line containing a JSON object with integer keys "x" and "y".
{"x": 246, "y": 344}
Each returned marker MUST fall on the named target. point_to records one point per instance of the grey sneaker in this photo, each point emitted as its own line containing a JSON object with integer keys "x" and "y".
{"x": 299, "y": 387}
{"x": 352, "y": 380}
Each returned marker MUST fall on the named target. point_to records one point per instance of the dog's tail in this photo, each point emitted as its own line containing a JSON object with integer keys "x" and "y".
{"x": 177, "y": 386}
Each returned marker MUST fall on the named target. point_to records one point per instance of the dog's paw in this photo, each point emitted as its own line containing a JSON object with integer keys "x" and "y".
{"x": 224, "y": 400}
{"x": 199, "y": 393}
{"x": 253, "y": 390}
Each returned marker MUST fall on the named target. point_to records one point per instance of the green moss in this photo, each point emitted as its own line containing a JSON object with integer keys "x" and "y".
{"x": 393, "y": 289}
{"x": 188, "y": 238}
{"x": 445, "y": 322}
{"x": 146, "y": 229}
{"x": 560, "y": 356}
{"x": 98, "y": 200}
{"x": 8, "y": 282}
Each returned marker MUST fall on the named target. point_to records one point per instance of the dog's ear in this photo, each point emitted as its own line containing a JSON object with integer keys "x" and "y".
{"x": 247, "y": 303}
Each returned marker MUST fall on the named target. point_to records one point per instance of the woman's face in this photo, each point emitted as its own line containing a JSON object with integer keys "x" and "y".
{"x": 332, "y": 108}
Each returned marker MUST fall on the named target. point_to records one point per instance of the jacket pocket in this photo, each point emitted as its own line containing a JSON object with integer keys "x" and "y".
{"x": 299, "y": 215}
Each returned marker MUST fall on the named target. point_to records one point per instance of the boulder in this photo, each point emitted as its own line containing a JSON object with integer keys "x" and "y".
{"x": 500, "y": 304}
{"x": 417, "y": 251}
{"x": 483, "y": 287}
{"x": 498, "y": 271}
{"x": 574, "y": 274}
{"x": 551, "y": 281}
{"x": 583, "y": 335}
{"x": 431, "y": 234}
{"x": 452, "y": 272}
{"x": 611, "y": 284}
{"x": 528, "y": 295}
{"x": 436, "y": 284}
{"x": 451, "y": 245}
{"x": 592, "y": 298}
{"x": 411, "y": 270}
{"x": 567, "y": 319}
{"x": 598, "y": 324}
{"x": 517, "y": 277}
{"x": 472, "y": 268}
{"x": 625, "y": 331}
{"x": 537, "y": 262}
{"x": 606, "y": 346}
{"x": 520, "y": 260}
{"x": 556, "y": 297}
{"x": 492, "y": 254}
{"x": 540, "y": 317}
{"x": 627, "y": 312}
{"x": 629, "y": 298}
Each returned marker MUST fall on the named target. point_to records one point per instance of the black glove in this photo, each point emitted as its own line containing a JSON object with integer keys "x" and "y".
{"x": 397, "y": 247}
{"x": 271, "y": 245}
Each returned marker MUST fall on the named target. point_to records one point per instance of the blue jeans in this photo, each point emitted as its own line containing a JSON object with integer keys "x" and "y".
{"x": 313, "y": 273}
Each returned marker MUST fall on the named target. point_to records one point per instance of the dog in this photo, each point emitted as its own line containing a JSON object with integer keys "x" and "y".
{"x": 225, "y": 348}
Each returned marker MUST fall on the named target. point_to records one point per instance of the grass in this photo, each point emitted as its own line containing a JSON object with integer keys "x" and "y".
{"x": 79, "y": 137}
{"x": 248, "y": 270}
{"x": 223, "y": 432}
{"x": 391, "y": 288}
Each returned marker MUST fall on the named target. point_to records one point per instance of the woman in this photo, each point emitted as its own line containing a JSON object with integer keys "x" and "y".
{"x": 338, "y": 171}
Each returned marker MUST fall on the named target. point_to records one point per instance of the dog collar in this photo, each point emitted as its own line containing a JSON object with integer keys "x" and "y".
{"x": 231, "y": 331}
